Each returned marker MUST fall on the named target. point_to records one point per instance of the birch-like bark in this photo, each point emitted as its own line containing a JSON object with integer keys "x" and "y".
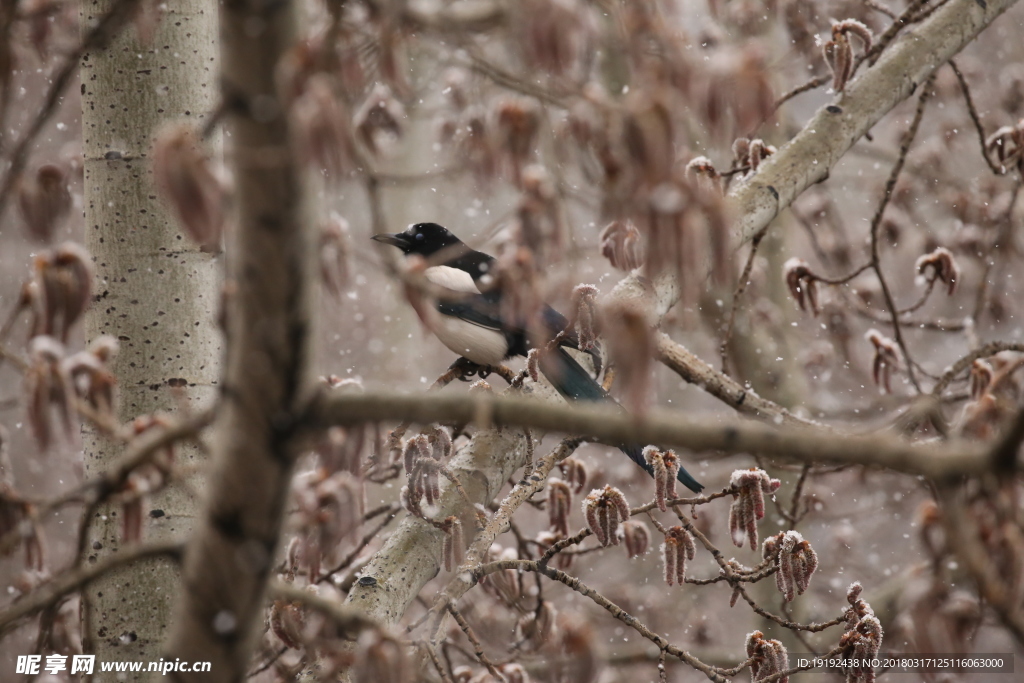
{"x": 230, "y": 557}
{"x": 155, "y": 292}
{"x": 809, "y": 157}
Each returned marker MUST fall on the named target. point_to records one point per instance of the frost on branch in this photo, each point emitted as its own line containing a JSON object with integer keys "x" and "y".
{"x": 604, "y": 510}
{"x": 665, "y": 465}
{"x": 704, "y": 172}
{"x": 863, "y": 636}
{"x": 748, "y": 504}
{"x": 770, "y": 657}
{"x": 546, "y": 539}
{"x": 748, "y": 154}
{"x": 795, "y": 561}
{"x": 675, "y": 551}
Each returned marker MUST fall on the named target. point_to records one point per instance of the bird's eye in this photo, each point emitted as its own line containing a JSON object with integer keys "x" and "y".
{"x": 419, "y": 235}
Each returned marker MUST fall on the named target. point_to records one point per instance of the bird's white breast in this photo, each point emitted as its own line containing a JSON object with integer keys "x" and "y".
{"x": 452, "y": 278}
{"x": 479, "y": 344}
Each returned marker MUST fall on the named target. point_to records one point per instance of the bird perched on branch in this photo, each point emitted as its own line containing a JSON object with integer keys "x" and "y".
{"x": 473, "y": 323}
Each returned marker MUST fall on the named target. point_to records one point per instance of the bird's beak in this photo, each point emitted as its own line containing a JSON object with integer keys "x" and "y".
{"x": 397, "y": 240}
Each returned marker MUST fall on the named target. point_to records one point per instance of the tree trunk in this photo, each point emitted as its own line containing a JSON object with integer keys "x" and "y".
{"x": 266, "y": 388}
{"x": 155, "y": 292}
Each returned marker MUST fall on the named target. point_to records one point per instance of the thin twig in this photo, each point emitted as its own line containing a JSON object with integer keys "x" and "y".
{"x": 990, "y": 349}
{"x": 876, "y": 221}
{"x": 741, "y": 287}
{"x": 478, "y": 648}
{"x": 577, "y": 585}
{"x": 976, "y": 119}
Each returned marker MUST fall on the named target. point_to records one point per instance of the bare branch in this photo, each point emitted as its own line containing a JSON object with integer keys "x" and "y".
{"x": 666, "y": 428}
{"x": 810, "y": 155}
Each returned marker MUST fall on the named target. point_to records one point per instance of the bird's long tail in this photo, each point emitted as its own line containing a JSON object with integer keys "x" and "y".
{"x": 573, "y": 381}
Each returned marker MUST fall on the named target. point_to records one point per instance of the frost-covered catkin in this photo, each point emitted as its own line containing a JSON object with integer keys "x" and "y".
{"x": 795, "y": 560}
{"x": 665, "y": 465}
{"x": 675, "y": 551}
{"x": 604, "y": 509}
{"x": 769, "y": 657}
{"x": 863, "y": 636}
{"x": 748, "y": 504}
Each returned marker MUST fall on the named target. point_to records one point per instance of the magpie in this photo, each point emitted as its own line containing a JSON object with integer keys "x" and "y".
{"x": 473, "y": 325}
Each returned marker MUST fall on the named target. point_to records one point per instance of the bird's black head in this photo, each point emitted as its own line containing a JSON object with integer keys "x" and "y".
{"x": 424, "y": 239}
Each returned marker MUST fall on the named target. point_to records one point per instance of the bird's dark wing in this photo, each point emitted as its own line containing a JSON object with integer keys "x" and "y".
{"x": 472, "y": 309}
{"x": 484, "y": 310}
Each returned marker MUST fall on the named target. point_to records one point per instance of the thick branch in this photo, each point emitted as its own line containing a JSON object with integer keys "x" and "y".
{"x": 743, "y": 399}
{"x": 665, "y": 428}
{"x": 809, "y": 157}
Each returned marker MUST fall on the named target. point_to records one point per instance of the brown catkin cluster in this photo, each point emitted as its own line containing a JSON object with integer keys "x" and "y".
{"x": 675, "y": 551}
{"x": 795, "y": 560}
{"x": 770, "y": 657}
{"x": 604, "y": 510}
{"x": 749, "y": 489}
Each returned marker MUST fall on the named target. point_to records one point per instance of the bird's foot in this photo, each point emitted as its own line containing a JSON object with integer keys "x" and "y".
{"x": 465, "y": 370}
